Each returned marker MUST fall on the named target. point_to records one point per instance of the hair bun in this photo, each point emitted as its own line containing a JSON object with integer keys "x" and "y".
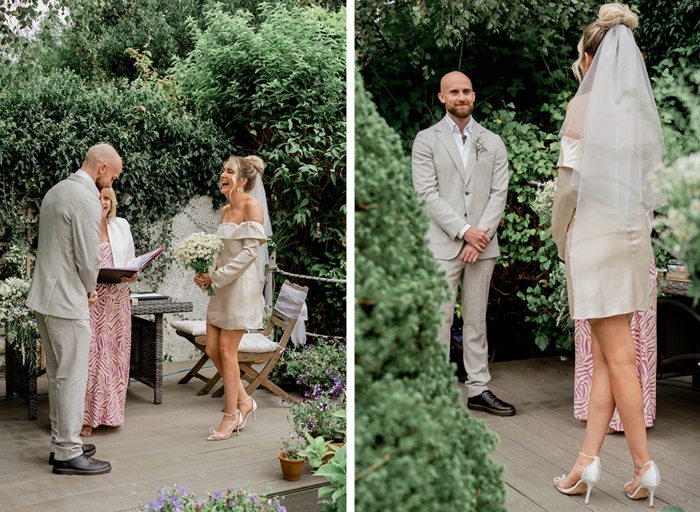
{"x": 611, "y": 15}
{"x": 257, "y": 162}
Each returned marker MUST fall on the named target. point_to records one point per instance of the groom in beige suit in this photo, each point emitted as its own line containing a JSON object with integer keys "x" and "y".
{"x": 460, "y": 171}
{"x": 63, "y": 286}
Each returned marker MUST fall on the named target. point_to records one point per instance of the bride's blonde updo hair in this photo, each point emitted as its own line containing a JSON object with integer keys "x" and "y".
{"x": 246, "y": 167}
{"x": 609, "y": 16}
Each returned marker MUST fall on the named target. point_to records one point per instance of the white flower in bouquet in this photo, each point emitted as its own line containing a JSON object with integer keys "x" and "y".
{"x": 197, "y": 252}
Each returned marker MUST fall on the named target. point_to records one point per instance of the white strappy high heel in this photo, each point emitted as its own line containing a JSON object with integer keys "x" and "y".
{"x": 214, "y": 434}
{"x": 650, "y": 481}
{"x": 255, "y": 407}
{"x": 589, "y": 477}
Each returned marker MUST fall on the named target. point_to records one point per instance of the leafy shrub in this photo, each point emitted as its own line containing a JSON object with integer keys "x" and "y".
{"x": 179, "y": 498}
{"x": 319, "y": 417}
{"x": 276, "y": 88}
{"x": 312, "y": 367}
{"x": 48, "y": 124}
{"x": 413, "y": 435}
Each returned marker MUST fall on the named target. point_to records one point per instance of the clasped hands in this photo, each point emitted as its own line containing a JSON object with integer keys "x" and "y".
{"x": 202, "y": 280}
{"x": 476, "y": 239}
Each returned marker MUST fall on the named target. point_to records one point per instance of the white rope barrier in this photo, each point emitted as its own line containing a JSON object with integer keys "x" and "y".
{"x": 324, "y": 279}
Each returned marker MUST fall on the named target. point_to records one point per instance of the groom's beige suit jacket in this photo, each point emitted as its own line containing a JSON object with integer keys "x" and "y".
{"x": 454, "y": 198}
{"x": 68, "y": 256}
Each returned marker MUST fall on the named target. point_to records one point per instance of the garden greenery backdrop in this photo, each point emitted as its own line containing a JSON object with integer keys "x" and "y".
{"x": 518, "y": 55}
{"x": 176, "y": 87}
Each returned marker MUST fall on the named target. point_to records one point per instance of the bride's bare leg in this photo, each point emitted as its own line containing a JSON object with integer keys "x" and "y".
{"x": 601, "y": 407}
{"x": 615, "y": 338}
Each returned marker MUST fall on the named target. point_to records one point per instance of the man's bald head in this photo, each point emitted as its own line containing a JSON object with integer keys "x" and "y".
{"x": 453, "y": 79}
{"x": 103, "y": 164}
{"x": 458, "y": 96}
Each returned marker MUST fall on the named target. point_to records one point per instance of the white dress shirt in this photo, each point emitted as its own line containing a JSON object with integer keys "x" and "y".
{"x": 86, "y": 176}
{"x": 463, "y": 146}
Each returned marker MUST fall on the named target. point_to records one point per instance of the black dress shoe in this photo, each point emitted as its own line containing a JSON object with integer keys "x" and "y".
{"x": 490, "y": 403}
{"x": 88, "y": 449}
{"x": 81, "y": 465}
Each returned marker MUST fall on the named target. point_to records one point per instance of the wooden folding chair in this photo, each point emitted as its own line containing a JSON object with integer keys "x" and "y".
{"x": 254, "y": 347}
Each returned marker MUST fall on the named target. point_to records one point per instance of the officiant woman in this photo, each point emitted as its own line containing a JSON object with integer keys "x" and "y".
{"x": 110, "y": 322}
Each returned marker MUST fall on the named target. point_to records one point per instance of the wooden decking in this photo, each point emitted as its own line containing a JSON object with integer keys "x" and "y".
{"x": 542, "y": 440}
{"x": 159, "y": 445}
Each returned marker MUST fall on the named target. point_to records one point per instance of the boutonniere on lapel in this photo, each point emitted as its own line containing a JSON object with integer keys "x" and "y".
{"x": 478, "y": 145}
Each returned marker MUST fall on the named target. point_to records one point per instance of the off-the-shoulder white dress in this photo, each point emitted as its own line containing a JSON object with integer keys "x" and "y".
{"x": 235, "y": 278}
{"x": 607, "y": 269}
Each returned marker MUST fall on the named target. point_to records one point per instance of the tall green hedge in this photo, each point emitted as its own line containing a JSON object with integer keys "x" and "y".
{"x": 48, "y": 124}
{"x": 275, "y": 85}
{"x": 417, "y": 445}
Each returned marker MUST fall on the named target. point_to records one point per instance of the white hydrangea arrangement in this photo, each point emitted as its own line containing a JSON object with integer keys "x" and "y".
{"x": 197, "y": 252}
{"x": 680, "y": 225}
{"x": 543, "y": 202}
{"x": 20, "y": 325}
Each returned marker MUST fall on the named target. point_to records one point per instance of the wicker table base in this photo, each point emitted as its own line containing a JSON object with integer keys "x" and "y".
{"x": 678, "y": 333}
{"x": 147, "y": 343}
{"x": 19, "y": 382}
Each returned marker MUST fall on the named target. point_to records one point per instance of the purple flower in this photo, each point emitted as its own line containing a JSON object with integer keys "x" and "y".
{"x": 309, "y": 372}
{"x": 281, "y": 402}
{"x": 254, "y": 500}
{"x": 342, "y": 347}
{"x": 329, "y": 372}
{"x": 217, "y": 496}
{"x": 323, "y": 406}
{"x": 301, "y": 356}
{"x": 309, "y": 426}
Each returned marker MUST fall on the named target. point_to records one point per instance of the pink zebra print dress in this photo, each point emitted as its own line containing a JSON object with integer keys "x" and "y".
{"x": 643, "y": 326}
{"x": 110, "y": 321}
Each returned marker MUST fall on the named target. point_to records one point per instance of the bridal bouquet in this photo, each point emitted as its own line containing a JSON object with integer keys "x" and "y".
{"x": 197, "y": 252}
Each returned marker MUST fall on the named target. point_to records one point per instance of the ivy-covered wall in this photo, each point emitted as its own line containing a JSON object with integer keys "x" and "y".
{"x": 417, "y": 446}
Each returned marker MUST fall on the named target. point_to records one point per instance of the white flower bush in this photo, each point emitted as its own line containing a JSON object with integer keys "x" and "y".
{"x": 20, "y": 325}
{"x": 680, "y": 225}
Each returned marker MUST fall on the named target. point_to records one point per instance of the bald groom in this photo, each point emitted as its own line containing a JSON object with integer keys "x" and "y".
{"x": 63, "y": 286}
{"x": 460, "y": 171}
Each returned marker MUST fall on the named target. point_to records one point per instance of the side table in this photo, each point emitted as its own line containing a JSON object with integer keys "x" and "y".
{"x": 678, "y": 333}
{"x": 146, "y": 364}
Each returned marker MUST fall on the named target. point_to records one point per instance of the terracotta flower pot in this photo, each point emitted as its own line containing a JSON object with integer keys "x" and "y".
{"x": 291, "y": 469}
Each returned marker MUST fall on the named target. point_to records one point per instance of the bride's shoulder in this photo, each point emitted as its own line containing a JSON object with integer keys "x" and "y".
{"x": 253, "y": 211}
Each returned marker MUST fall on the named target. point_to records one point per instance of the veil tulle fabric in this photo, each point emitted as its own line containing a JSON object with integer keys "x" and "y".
{"x": 263, "y": 258}
{"x": 615, "y": 120}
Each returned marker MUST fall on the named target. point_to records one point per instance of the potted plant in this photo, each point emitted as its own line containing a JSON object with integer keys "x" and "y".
{"x": 291, "y": 460}
{"x": 335, "y": 471}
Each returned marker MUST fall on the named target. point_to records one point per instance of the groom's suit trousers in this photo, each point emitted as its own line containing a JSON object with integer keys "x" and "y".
{"x": 476, "y": 281}
{"x": 67, "y": 347}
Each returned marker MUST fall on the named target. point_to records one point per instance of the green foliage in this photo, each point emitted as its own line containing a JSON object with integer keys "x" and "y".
{"x": 335, "y": 471}
{"x": 316, "y": 449}
{"x": 48, "y": 124}
{"x": 313, "y": 366}
{"x": 414, "y": 436}
{"x": 277, "y": 88}
{"x": 681, "y": 222}
{"x": 319, "y": 416}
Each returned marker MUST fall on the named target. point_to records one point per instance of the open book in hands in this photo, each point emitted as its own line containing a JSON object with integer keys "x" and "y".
{"x": 115, "y": 274}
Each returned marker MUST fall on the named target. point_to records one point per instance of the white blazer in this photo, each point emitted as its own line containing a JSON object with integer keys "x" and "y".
{"x": 123, "y": 251}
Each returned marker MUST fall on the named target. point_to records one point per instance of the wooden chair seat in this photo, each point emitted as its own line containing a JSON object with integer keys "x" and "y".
{"x": 253, "y": 349}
